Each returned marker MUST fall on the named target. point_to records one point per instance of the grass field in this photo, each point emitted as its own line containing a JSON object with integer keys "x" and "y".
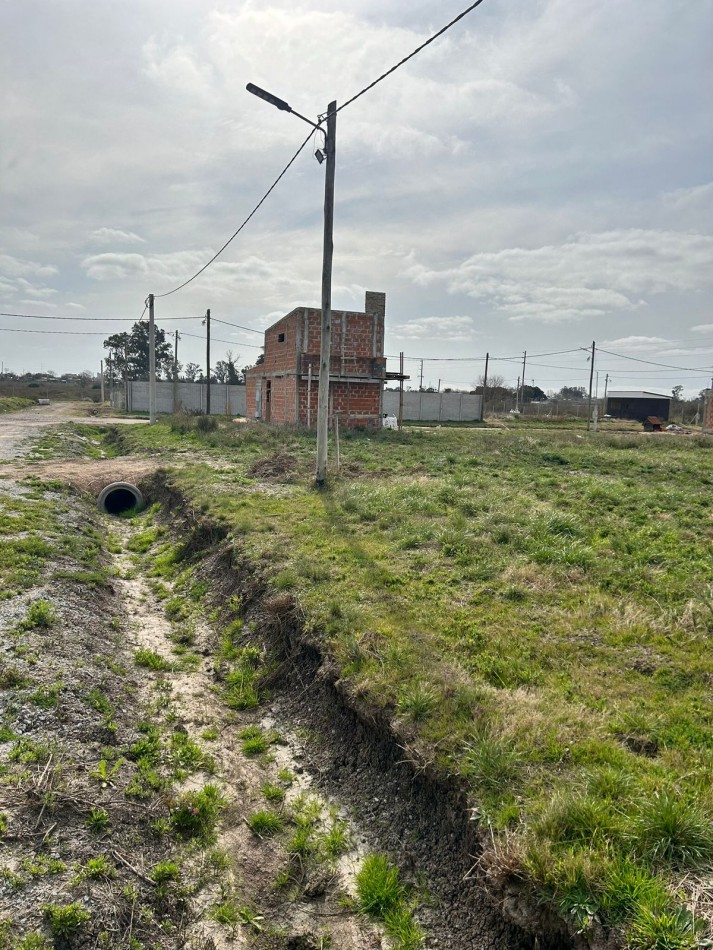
{"x": 13, "y": 403}
{"x": 536, "y": 609}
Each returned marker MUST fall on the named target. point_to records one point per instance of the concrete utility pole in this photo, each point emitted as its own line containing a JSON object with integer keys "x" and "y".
{"x": 152, "y": 364}
{"x": 330, "y": 148}
{"x": 522, "y": 395}
{"x": 101, "y": 374}
{"x": 207, "y": 361}
{"x": 591, "y": 380}
{"x": 420, "y": 383}
{"x": 401, "y": 391}
{"x": 328, "y": 154}
{"x": 606, "y": 387}
{"x": 485, "y": 386}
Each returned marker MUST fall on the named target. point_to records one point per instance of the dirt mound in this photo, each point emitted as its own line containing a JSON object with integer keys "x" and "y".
{"x": 275, "y": 466}
{"x": 90, "y": 475}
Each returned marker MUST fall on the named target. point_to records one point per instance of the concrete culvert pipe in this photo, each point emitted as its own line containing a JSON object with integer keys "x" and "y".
{"x": 120, "y": 497}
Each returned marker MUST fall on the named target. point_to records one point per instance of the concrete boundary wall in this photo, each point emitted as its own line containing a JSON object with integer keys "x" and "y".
{"x": 190, "y": 397}
{"x": 435, "y": 407}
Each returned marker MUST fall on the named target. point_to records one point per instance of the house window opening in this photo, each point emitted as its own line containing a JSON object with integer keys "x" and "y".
{"x": 280, "y": 337}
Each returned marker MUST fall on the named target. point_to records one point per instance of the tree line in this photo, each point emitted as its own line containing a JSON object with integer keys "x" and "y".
{"x": 129, "y": 359}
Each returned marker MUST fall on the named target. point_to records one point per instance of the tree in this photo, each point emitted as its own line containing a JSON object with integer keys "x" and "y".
{"x": 676, "y": 393}
{"x": 191, "y": 372}
{"x": 494, "y": 382}
{"x": 220, "y": 371}
{"x": 534, "y": 394}
{"x": 572, "y": 392}
{"x": 131, "y": 352}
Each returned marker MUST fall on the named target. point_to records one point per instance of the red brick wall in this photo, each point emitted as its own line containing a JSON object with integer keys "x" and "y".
{"x": 358, "y": 404}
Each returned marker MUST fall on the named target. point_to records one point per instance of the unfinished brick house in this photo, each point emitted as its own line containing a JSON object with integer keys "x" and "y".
{"x": 283, "y": 390}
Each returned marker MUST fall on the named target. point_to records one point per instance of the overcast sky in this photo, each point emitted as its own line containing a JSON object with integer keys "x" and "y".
{"x": 538, "y": 178}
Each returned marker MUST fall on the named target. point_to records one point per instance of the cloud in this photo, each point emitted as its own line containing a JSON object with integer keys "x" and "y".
{"x": 441, "y": 328}
{"x": 116, "y": 236}
{"x": 642, "y": 343}
{"x": 589, "y": 275}
{"x": 16, "y": 267}
{"x": 703, "y": 328}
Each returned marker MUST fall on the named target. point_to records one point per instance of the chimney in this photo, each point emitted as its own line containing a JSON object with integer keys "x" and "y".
{"x": 375, "y": 303}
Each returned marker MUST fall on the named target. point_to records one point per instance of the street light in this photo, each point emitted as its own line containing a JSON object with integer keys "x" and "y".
{"x": 327, "y": 155}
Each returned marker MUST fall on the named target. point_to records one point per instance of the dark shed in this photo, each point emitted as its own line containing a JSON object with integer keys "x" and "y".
{"x": 638, "y": 404}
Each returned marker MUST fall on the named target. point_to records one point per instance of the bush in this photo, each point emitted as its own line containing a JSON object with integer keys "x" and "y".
{"x": 206, "y": 424}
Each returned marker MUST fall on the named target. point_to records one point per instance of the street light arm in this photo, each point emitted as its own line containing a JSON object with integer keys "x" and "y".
{"x": 278, "y": 103}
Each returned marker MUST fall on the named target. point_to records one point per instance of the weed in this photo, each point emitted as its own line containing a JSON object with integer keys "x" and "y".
{"x": 151, "y": 660}
{"x": 379, "y": 888}
{"x": 418, "y": 701}
{"x": 254, "y": 740}
{"x": 98, "y": 869}
{"x": 97, "y": 821}
{"x": 41, "y": 615}
{"x": 403, "y": 929}
{"x": 165, "y": 872}
{"x": 664, "y": 930}
{"x": 273, "y": 793}
{"x": 670, "y": 830}
{"x": 33, "y": 941}
{"x": 65, "y": 920}
{"x": 265, "y": 823}
{"x": 196, "y": 813}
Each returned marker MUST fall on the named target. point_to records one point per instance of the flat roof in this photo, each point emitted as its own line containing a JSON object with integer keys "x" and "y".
{"x": 635, "y": 394}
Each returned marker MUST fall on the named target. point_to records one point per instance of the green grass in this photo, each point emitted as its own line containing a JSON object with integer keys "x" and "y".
{"x": 538, "y": 607}
{"x": 265, "y": 823}
{"x": 14, "y": 403}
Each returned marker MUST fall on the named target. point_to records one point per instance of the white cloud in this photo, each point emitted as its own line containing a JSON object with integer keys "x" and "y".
{"x": 587, "y": 276}
{"x": 441, "y": 328}
{"x": 116, "y": 236}
{"x": 633, "y": 343}
{"x": 703, "y": 328}
{"x": 16, "y": 267}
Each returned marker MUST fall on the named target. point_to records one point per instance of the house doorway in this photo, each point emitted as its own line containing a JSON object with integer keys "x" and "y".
{"x": 268, "y": 399}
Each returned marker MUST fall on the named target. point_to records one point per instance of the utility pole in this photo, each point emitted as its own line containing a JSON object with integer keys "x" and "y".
{"x": 330, "y": 148}
{"x": 517, "y": 394}
{"x": 591, "y": 380}
{"x": 175, "y": 371}
{"x": 207, "y": 361}
{"x": 101, "y": 373}
{"x": 485, "y": 386}
{"x": 401, "y": 391}
{"x": 606, "y": 386}
{"x": 152, "y": 364}
{"x": 522, "y": 396}
{"x": 420, "y": 384}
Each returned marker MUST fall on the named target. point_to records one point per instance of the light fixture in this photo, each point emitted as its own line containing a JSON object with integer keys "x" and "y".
{"x": 319, "y": 155}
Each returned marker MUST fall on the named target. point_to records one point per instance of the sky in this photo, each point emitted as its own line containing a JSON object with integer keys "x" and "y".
{"x": 536, "y": 179}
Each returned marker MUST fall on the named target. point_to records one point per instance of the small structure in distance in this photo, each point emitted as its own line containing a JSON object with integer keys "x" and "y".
{"x": 638, "y": 404}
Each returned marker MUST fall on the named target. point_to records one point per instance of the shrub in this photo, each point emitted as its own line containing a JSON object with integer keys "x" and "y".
{"x": 206, "y": 424}
{"x": 41, "y": 615}
{"x": 196, "y": 813}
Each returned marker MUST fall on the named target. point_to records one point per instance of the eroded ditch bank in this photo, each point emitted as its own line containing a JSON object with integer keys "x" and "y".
{"x": 405, "y": 805}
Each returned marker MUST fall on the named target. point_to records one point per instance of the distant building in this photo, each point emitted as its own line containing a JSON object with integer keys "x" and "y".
{"x": 637, "y": 404}
{"x": 283, "y": 389}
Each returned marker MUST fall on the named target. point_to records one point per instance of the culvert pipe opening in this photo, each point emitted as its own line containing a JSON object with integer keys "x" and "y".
{"x": 120, "y": 497}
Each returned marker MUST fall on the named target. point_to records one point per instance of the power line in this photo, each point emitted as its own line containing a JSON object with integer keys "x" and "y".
{"x": 46, "y": 316}
{"x": 251, "y": 346}
{"x": 637, "y": 359}
{"x": 53, "y": 332}
{"x": 236, "y": 233}
{"x": 237, "y": 326}
{"x": 411, "y": 55}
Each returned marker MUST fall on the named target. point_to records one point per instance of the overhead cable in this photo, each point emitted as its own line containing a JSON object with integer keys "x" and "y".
{"x": 410, "y": 55}
{"x": 236, "y": 233}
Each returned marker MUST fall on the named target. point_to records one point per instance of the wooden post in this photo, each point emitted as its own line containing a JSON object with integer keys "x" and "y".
{"x": 309, "y": 396}
{"x": 336, "y": 440}
{"x": 327, "y": 254}
{"x": 207, "y": 361}
{"x": 152, "y": 363}
{"x": 175, "y": 371}
{"x": 591, "y": 380}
